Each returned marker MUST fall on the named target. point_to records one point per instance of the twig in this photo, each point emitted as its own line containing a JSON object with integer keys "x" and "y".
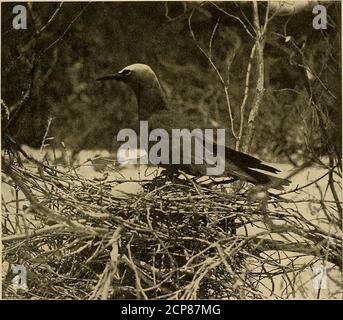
{"x": 234, "y": 17}
{"x": 260, "y": 43}
{"x": 220, "y": 77}
{"x": 245, "y": 99}
{"x": 60, "y": 38}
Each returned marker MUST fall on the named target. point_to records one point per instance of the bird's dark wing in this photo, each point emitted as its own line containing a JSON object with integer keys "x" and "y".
{"x": 237, "y": 164}
{"x": 245, "y": 160}
{"x": 268, "y": 180}
{"x": 244, "y": 167}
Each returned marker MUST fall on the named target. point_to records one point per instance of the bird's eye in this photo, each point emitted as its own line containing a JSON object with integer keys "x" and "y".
{"x": 125, "y": 72}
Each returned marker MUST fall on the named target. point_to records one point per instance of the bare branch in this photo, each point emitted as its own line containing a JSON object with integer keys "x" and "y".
{"x": 60, "y": 38}
{"x": 260, "y": 43}
{"x": 245, "y": 99}
{"x": 220, "y": 77}
{"x": 234, "y": 17}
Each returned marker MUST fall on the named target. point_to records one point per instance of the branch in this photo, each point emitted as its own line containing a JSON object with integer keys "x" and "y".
{"x": 32, "y": 234}
{"x": 209, "y": 58}
{"x": 234, "y": 17}
{"x": 67, "y": 29}
{"x": 53, "y": 16}
{"x": 332, "y": 187}
{"x": 43, "y": 210}
{"x": 319, "y": 251}
{"x": 260, "y": 43}
{"x": 245, "y": 99}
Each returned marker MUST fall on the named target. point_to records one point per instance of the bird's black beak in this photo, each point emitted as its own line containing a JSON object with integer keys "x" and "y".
{"x": 113, "y": 76}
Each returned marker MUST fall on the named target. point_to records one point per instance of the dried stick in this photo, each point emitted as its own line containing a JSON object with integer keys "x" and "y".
{"x": 260, "y": 43}
{"x": 219, "y": 75}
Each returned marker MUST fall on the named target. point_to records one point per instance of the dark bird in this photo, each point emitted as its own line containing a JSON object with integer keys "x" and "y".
{"x": 153, "y": 107}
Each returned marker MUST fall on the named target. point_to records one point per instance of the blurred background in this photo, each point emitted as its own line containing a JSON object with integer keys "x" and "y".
{"x": 85, "y": 40}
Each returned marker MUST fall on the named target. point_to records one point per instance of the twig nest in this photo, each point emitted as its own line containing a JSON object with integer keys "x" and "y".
{"x": 126, "y": 190}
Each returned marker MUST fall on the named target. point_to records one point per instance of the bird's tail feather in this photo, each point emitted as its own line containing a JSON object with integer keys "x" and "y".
{"x": 267, "y": 180}
{"x": 243, "y": 159}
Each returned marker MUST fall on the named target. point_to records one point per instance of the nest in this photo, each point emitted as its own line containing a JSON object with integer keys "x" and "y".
{"x": 176, "y": 240}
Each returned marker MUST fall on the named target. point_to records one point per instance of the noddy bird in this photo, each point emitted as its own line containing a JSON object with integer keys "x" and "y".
{"x": 153, "y": 107}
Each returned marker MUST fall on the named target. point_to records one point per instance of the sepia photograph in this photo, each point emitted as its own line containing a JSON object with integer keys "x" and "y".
{"x": 171, "y": 150}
